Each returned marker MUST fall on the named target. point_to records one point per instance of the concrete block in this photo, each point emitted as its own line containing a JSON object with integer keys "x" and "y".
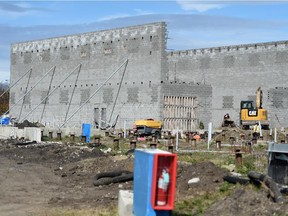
{"x": 33, "y": 134}
{"x": 11, "y": 132}
{"x": 125, "y": 203}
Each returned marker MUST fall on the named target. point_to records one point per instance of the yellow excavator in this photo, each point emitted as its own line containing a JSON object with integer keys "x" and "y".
{"x": 250, "y": 115}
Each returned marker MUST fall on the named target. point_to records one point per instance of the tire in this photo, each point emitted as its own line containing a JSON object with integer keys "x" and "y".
{"x": 108, "y": 174}
{"x": 269, "y": 182}
{"x": 123, "y": 178}
{"x": 102, "y": 181}
{"x": 107, "y": 178}
{"x": 236, "y": 179}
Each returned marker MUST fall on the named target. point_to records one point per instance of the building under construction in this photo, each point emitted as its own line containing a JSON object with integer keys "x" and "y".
{"x": 117, "y": 76}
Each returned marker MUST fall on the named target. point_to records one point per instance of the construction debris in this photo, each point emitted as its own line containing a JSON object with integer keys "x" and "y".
{"x": 26, "y": 123}
{"x": 227, "y": 121}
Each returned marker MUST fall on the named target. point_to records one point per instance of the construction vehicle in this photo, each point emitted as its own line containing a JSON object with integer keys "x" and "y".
{"x": 250, "y": 115}
{"x": 148, "y": 127}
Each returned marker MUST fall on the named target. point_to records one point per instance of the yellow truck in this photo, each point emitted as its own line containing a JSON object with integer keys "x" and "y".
{"x": 250, "y": 115}
{"x": 148, "y": 127}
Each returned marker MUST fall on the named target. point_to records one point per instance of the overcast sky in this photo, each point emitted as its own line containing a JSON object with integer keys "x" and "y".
{"x": 191, "y": 24}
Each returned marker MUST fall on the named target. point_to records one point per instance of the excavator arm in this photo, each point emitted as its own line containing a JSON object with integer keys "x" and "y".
{"x": 259, "y": 96}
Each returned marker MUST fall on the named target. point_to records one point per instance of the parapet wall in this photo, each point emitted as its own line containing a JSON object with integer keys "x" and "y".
{"x": 233, "y": 48}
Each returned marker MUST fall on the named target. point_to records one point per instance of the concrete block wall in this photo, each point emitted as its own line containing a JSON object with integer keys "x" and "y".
{"x": 235, "y": 73}
{"x": 11, "y": 132}
{"x": 93, "y": 57}
{"x": 278, "y": 103}
{"x": 31, "y": 133}
{"x": 220, "y": 77}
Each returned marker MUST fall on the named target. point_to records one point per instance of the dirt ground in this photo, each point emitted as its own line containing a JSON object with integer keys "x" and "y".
{"x": 42, "y": 176}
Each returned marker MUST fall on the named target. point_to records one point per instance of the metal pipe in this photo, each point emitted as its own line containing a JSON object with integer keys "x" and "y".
{"x": 260, "y": 127}
{"x": 72, "y": 94}
{"x": 125, "y": 129}
{"x": 25, "y": 93}
{"x": 118, "y": 92}
{"x": 209, "y": 134}
{"x": 177, "y": 138}
{"x": 133, "y": 144}
{"x": 238, "y": 157}
{"x": 116, "y": 144}
{"x": 58, "y": 86}
{"x": 32, "y": 88}
{"x": 15, "y": 82}
{"x": 93, "y": 94}
{"x": 49, "y": 89}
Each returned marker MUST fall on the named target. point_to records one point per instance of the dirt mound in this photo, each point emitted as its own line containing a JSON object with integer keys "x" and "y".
{"x": 51, "y": 153}
{"x": 63, "y": 172}
{"x": 61, "y": 175}
{"x": 247, "y": 201}
{"x": 232, "y": 134}
{"x": 209, "y": 174}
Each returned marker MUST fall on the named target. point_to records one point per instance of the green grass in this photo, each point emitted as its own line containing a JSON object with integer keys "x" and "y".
{"x": 198, "y": 205}
{"x": 191, "y": 206}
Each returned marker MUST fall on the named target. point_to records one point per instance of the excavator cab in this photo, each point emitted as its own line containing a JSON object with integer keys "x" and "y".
{"x": 250, "y": 115}
{"x": 246, "y": 105}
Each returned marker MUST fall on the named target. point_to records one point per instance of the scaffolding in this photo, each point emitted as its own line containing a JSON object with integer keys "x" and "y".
{"x": 179, "y": 112}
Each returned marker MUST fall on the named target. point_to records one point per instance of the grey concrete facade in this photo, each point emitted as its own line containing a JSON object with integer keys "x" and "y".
{"x": 219, "y": 78}
{"x": 235, "y": 73}
{"x": 99, "y": 54}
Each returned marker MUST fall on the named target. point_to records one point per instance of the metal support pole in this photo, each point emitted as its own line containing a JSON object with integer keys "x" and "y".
{"x": 25, "y": 93}
{"x": 116, "y": 145}
{"x": 72, "y": 93}
{"x": 94, "y": 93}
{"x": 15, "y": 82}
{"x": 32, "y": 88}
{"x": 193, "y": 143}
{"x": 118, "y": 92}
{"x": 170, "y": 148}
{"x": 177, "y": 139}
{"x": 218, "y": 144}
{"x": 238, "y": 157}
{"x": 209, "y": 134}
{"x": 125, "y": 136}
{"x": 49, "y": 89}
{"x": 261, "y": 135}
{"x": 97, "y": 140}
{"x": 133, "y": 144}
{"x": 58, "y": 86}
{"x": 275, "y": 135}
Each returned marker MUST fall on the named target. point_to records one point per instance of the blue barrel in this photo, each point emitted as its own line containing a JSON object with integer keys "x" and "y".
{"x": 86, "y": 132}
{"x": 4, "y": 121}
